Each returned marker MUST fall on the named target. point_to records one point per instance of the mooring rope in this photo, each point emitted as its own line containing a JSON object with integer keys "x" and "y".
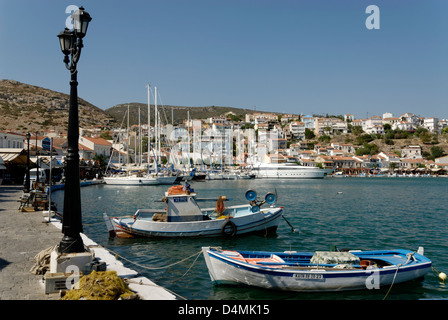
{"x": 409, "y": 256}
{"x": 156, "y": 268}
{"x": 398, "y": 266}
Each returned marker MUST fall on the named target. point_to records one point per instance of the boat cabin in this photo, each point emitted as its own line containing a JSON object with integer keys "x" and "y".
{"x": 183, "y": 207}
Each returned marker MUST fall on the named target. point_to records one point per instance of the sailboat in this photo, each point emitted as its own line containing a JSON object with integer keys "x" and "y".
{"x": 130, "y": 179}
{"x": 161, "y": 177}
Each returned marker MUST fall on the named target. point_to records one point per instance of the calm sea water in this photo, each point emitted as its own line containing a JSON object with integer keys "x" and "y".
{"x": 353, "y": 213}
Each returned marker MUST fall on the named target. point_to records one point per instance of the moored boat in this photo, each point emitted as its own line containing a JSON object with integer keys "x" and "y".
{"x": 131, "y": 180}
{"x": 315, "y": 271}
{"x": 288, "y": 171}
{"x": 183, "y": 217}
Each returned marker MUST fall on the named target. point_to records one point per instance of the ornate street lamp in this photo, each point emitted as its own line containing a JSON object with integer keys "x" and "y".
{"x": 27, "y": 179}
{"x": 71, "y": 44}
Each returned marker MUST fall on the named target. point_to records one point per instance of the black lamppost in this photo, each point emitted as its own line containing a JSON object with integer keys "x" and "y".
{"x": 27, "y": 179}
{"x": 71, "y": 44}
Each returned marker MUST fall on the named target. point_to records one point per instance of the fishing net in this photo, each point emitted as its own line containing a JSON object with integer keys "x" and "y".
{"x": 101, "y": 285}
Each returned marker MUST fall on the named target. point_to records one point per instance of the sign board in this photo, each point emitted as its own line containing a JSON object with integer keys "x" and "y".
{"x": 46, "y": 144}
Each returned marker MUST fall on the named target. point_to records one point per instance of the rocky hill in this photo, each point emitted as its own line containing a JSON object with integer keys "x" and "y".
{"x": 24, "y": 107}
{"x": 171, "y": 114}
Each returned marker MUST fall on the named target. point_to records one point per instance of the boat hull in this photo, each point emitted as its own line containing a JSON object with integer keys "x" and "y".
{"x": 226, "y": 270}
{"x": 266, "y": 221}
{"x": 288, "y": 171}
{"x": 130, "y": 181}
{"x": 166, "y": 180}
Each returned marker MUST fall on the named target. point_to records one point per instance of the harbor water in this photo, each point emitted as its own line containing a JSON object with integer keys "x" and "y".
{"x": 350, "y": 213}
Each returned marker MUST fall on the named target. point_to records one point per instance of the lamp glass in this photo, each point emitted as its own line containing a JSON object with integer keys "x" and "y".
{"x": 66, "y": 41}
{"x": 81, "y": 21}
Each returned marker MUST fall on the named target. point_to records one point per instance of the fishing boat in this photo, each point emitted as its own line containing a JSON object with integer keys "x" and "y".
{"x": 183, "y": 217}
{"x": 318, "y": 271}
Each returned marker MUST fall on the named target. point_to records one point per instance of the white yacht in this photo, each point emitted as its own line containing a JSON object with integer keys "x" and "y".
{"x": 131, "y": 180}
{"x": 287, "y": 171}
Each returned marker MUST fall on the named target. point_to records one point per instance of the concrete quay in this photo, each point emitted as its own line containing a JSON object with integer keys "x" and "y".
{"x": 22, "y": 236}
{"x": 25, "y": 234}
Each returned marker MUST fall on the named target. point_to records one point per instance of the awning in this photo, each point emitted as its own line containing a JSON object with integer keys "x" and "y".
{"x": 13, "y": 155}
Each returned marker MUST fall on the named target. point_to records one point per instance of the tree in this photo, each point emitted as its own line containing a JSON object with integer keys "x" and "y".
{"x": 365, "y": 138}
{"x": 101, "y": 159}
{"x": 437, "y": 152}
{"x": 324, "y": 138}
{"x": 425, "y": 137}
{"x": 106, "y": 135}
{"x": 357, "y": 130}
{"x": 393, "y": 165}
{"x": 367, "y": 148}
{"x": 309, "y": 134}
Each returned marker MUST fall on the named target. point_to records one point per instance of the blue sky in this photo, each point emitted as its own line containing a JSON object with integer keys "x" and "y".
{"x": 292, "y": 56}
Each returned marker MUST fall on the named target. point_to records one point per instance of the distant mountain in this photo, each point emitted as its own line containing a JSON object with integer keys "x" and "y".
{"x": 25, "y": 107}
{"x": 169, "y": 113}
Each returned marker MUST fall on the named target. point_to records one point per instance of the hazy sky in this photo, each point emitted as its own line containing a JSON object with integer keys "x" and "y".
{"x": 296, "y": 56}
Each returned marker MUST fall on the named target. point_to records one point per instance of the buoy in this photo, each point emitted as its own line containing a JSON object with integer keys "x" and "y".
{"x": 442, "y": 276}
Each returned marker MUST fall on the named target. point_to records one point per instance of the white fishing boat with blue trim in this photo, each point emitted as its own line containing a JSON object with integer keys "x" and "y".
{"x": 183, "y": 217}
{"x": 315, "y": 271}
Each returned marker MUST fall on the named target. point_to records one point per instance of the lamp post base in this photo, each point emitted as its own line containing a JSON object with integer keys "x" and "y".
{"x": 71, "y": 244}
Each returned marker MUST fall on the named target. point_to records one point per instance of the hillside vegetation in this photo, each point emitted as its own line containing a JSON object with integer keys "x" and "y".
{"x": 24, "y": 107}
{"x": 171, "y": 114}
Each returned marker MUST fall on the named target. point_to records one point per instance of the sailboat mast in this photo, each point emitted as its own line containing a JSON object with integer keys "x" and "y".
{"x": 140, "y": 139}
{"x": 188, "y": 136}
{"x": 149, "y": 124}
{"x": 129, "y": 143}
{"x": 156, "y": 129}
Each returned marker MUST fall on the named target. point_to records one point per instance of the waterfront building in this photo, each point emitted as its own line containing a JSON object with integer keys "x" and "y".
{"x": 347, "y": 165}
{"x": 410, "y": 164}
{"x": 12, "y": 140}
{"x": 388, "y": 159}
{"x": 98, "y": 146}
{"x": 442, "y": 162}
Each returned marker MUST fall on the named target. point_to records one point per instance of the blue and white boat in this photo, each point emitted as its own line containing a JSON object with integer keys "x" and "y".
{"x": 315, "y": 271}
{"x": 183, "y": 217}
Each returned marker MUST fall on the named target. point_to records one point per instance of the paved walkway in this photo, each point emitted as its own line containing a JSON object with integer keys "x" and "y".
{"x": 22, "y": 236}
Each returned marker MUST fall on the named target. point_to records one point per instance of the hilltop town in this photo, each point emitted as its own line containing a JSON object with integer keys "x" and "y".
{"x": 404, "y": 143}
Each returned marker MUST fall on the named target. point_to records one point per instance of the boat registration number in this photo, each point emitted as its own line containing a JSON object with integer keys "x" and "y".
{"x": 308, "y": 276}
{"x": 180, "y": 199}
